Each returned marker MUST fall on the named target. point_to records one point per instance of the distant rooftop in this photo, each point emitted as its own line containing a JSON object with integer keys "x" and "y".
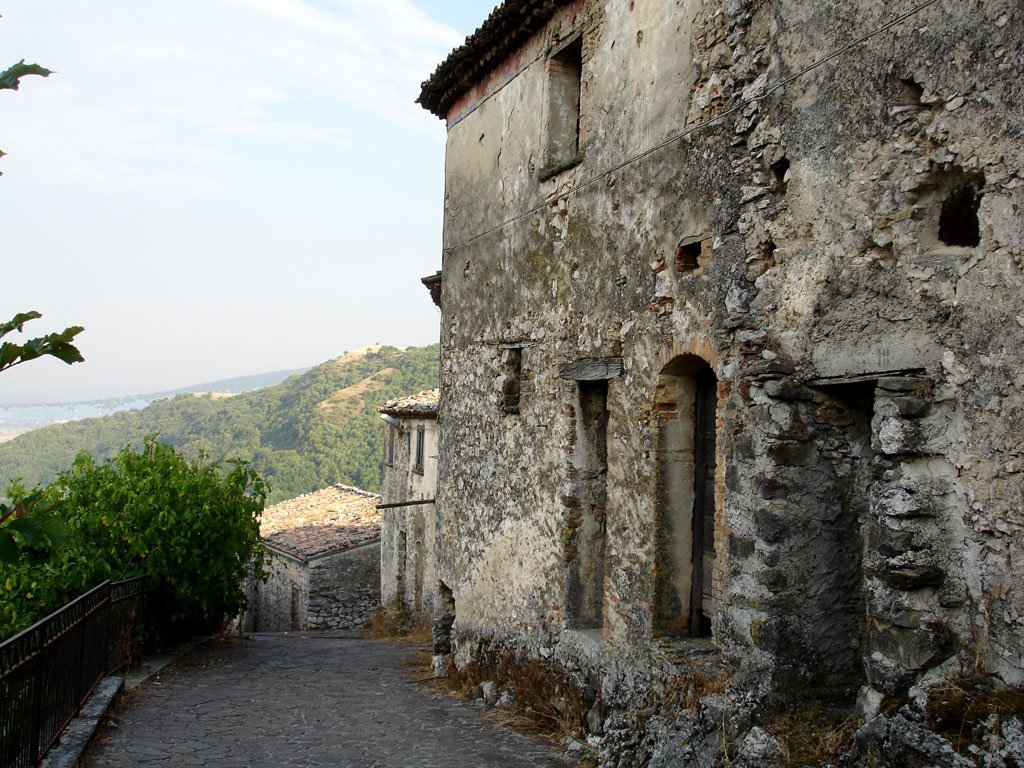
{"x": 323, "y": 522}
{"x": 422, "y": 405}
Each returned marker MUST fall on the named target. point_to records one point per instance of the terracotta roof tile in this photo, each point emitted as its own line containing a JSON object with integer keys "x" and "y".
{"x": 323, "y": 522}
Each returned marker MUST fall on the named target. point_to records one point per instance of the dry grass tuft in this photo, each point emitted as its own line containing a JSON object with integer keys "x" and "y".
{"x": 959, "y": 708}
{"x": 686, "y": 691}
{"x": 814, "y": 735}
{"x": 544, "y": 702}
{"x": 394, "y": 622}
{"x": 390, "y": 621}
{"x": 421, "y": 632}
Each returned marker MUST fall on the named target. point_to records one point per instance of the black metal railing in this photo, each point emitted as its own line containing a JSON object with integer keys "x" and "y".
{"x": 49, "y": 670}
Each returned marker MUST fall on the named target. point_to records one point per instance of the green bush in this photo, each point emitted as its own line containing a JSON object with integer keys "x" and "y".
{"x": 192, "y": 526}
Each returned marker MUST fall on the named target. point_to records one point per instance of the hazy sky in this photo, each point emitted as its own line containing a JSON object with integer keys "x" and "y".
{"x": 219, "y": 187}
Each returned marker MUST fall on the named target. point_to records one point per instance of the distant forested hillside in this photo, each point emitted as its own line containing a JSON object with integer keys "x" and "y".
{"x": 313, "y": 429}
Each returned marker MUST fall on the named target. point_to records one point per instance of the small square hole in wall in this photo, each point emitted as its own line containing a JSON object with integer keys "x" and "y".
{"x": 958, "y": 219}
{"x": 911, "y": 93}
{"x": 948, "y": 208}
{"x": 780, "y": 171}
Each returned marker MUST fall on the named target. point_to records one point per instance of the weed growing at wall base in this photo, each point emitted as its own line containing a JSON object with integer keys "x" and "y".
{"x": 538, "y": 699}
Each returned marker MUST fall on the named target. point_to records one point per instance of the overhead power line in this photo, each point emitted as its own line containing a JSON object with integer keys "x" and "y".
{"x": 738, "y": 106}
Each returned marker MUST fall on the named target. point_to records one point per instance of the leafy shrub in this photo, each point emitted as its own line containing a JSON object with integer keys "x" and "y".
{"x": 190, "y": 525}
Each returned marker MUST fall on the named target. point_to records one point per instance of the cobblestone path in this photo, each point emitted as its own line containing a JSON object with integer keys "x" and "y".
{"x": 303, "y": 700}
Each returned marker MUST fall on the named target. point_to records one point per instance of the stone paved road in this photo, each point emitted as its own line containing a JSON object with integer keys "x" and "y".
{"x": 304, "y": 700}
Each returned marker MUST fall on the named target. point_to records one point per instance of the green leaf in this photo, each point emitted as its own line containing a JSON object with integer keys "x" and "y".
{"x": 8, "y": 549}
{"x": 30, "y": 529}
{"x": 10, "y": 78}
{"x": 17, "y": 323}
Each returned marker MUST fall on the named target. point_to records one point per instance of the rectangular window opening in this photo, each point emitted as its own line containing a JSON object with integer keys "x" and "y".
{"x": 389, "y": 448}
{"x": 586, "y": 546}
{"x": 511, "y": 379}
{"x": 417, "y": 466}
{"x": 565, "y": 72}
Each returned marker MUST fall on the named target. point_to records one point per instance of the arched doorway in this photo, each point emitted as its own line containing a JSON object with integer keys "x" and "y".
{"x": 685, "y": 405}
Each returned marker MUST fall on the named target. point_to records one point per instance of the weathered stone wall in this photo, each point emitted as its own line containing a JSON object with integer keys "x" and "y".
{"x": 338, "y": 591}
{"x": 281, "y": 603}
{"x": 344, "y": 588}
{"x": 816, "y": 249}
{"x": 407, "y": 533}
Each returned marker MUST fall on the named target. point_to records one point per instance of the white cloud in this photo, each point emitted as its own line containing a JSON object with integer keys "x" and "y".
{"x": 199, "y": 171}
{"x": 167, "y": 82}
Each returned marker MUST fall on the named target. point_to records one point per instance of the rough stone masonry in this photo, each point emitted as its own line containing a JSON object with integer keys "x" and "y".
{"x": 751, "y": 272}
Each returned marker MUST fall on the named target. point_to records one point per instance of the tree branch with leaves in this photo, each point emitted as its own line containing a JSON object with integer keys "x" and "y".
{"x": 10, "y": 78}
{"x": 26, "y": 525}
{"x": 56, "y": 345}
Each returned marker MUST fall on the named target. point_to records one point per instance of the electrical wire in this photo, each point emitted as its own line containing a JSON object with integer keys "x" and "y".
{"x": 696, "y": 126}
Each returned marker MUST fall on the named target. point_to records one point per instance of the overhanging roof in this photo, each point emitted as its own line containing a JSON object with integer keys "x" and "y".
{"x": 509, "y": 26}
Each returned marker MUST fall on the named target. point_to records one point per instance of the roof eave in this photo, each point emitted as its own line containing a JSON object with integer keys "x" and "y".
{"x": 510, "y": 25}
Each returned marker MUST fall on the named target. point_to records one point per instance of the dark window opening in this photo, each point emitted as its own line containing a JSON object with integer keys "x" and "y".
{"x": 586, "y": 540}
{"x": 565, "y": 70}
{"x": 780, "y": 169}
{"x": 958, "y": 220}
{"x": 511, "y": 379}
{"x": 688, "y": 257}
{"x": 417, "y": 466}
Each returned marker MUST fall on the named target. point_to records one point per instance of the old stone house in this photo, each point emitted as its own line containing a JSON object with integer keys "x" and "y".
{"x": 324, "y": 562}
{"x": 732, "y": 345}
{"x": 409, "y": 485}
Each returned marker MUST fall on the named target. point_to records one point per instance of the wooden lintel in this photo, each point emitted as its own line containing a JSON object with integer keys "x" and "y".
{"x": 860, "y": 378}
{"x": 592, "y": 369}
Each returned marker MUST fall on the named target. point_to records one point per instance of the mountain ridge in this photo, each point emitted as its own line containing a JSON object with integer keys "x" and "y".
{"x": 243, "y": 383}
{"x": 306, "y": 432}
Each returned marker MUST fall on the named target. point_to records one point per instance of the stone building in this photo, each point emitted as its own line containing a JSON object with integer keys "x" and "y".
{"x": 324, "y": 562}
{"x": 732, "y": 345}
{"x": 409, "y": 485}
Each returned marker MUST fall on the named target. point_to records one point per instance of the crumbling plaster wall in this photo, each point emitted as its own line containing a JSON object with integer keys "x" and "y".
{"x": 409, "y": 575}
{"x": 819, "y": 206}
